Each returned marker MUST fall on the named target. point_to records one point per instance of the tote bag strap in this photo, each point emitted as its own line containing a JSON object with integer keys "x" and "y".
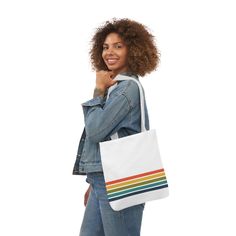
{"x": 123, "y": 77}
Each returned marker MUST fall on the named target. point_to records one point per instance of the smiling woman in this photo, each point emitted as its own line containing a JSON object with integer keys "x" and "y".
{"x": 142, "y": 54}
{"x": 115, "y": 53}
{"x": 118, "y": 47}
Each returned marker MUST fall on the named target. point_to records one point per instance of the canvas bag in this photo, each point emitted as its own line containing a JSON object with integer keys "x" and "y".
{"x": 132, "y": 165}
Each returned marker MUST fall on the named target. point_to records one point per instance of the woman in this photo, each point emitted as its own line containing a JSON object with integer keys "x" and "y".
{"x": 118, "y": 47}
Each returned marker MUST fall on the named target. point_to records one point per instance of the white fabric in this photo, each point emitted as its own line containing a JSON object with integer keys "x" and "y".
{"x": 132, "y": 155}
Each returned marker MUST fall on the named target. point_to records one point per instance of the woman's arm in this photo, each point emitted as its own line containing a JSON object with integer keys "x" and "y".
{"x": 101, "y": 120}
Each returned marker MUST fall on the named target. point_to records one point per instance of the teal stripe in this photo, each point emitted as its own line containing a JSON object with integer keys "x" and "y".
{"x": 136, "y": 189}
{"x": 139, "y": 192}
{"x": 133, "y": 185}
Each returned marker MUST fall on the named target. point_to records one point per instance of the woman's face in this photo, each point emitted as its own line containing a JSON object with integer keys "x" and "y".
{"x": 115, "y": 53}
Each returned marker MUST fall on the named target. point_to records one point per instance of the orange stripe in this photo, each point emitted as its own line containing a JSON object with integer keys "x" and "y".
{"x": 134, "y": 176}
{"x": 136, "y": 180}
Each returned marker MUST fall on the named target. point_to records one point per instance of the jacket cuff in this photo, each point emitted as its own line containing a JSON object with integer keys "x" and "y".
{"x": 88, "y": 105}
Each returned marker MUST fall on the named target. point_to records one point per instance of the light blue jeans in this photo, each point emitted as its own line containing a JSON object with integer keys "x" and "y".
{"x": 101, "y": 220}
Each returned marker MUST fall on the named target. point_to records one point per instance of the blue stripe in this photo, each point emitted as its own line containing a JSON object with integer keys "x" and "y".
{"x": 137, "y": 188}
{"x": 138, "y": 192}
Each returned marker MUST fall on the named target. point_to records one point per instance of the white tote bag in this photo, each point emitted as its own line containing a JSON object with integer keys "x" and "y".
{"x": 132, "y": 165}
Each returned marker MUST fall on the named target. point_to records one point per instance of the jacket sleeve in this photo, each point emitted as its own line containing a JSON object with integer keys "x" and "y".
{"x": 100, "y": 119}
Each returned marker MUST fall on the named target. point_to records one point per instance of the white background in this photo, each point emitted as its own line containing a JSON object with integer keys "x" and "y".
{"x": 46, "y": 75}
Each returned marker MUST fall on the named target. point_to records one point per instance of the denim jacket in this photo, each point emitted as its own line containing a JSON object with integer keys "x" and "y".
{"x": 121, "y": 113}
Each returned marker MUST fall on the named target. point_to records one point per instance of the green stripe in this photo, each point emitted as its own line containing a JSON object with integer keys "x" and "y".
{"x": 136, "y": 184}
{"x": 136, "y": 189}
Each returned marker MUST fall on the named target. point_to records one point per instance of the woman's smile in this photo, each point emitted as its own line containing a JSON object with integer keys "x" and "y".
{"x": 112, "y": 61}
{"x": 115, "y": 53}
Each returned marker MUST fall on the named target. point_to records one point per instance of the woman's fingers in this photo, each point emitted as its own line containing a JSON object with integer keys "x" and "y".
{"x": 104, "y": 79}
{"x": 86, "y": 195}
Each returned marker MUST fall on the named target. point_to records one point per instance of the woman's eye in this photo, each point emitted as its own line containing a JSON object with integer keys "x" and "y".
{"x": 118, "y": 46}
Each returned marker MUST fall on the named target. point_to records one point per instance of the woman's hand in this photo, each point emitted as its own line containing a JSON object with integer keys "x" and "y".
{"x": 86, "y": 195}
{"x": 104, "y": 79}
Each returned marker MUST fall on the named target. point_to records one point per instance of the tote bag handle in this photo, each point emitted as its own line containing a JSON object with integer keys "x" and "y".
{"x": 120, "y": 78}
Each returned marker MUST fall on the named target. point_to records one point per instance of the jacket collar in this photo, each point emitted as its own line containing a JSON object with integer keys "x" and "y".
{"x": 129, "y": 74}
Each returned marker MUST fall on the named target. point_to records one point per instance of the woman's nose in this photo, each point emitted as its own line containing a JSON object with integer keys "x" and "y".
{"x": 109, "y": 51}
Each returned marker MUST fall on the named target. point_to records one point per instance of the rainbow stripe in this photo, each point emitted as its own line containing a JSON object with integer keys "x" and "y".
{"x": 136, "y": 184}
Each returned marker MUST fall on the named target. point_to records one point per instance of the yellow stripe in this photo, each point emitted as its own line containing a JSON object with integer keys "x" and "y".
{"x": 135, "y": 181}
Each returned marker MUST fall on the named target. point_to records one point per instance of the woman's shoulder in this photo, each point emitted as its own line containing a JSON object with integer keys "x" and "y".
{"x": 129, "y": 89}
{"x": 126, "y": 86}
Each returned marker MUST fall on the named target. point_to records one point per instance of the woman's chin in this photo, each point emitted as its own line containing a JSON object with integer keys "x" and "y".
{"x": 110, "y": 67}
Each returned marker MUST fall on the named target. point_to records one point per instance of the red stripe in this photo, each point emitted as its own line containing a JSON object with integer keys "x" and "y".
{"x": 134, "y": 176}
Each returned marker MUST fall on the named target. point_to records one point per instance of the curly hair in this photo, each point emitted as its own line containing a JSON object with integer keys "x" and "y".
{"x": 143, "y": 55}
